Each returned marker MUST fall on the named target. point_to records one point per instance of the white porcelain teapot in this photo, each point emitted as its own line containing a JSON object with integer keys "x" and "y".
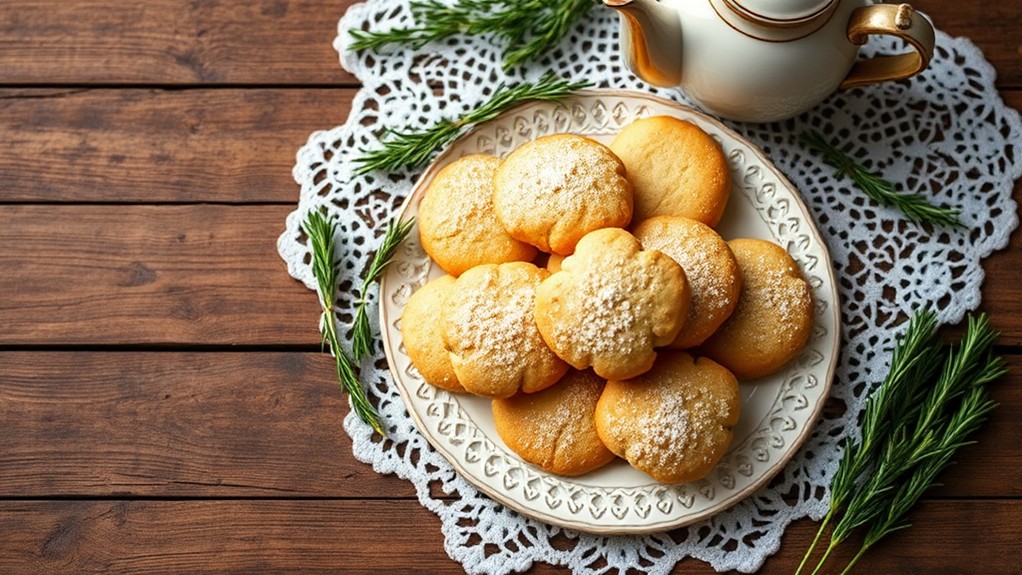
{"x": 766, "y": 60}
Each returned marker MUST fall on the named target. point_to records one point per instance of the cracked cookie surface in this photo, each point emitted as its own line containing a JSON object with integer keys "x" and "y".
{"x": 490, "y": 330}
{"x": 611, "y": 304}
{"x": 555, "y": 429}
{"x": 553, "y": 190}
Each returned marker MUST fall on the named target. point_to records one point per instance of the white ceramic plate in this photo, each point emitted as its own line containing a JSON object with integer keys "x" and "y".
{"x": 778, "y": 411}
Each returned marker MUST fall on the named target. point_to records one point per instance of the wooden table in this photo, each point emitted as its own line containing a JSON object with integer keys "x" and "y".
{"x": 164, "y": 407}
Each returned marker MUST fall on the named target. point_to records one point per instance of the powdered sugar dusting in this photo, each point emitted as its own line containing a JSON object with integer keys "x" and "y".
{"x": 559, "y": 188}
{"x": 606, "y": 318}
{"x": 774, "y": 296}
{"x": 567, "y": 432}
{"x": 709, "y": 267}
{"x": 496, "y": 327}
{"x": 473, "y": 213}
{"x": 670, "y": 426}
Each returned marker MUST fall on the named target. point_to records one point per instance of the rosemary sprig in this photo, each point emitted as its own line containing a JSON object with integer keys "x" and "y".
{"x": 968, "y": 419}
{"x": 921, "y": 439}
{"x": 526, "y": 29}
{"x": 362, "y": 336}
{"x": 915, "y": 206}
{"x": 913, "y": 362}
{"x": 413, "y": 149}
{"x": 322, "y": 232}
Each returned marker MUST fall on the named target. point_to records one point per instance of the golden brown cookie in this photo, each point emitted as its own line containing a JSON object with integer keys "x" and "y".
{"x": 457, "y": 226}
{"x": 611, "y": 304}
{"x": 675, "y": 421}
{"x": 552, "y": 191}
{"x": 555, "y": 429}
{"x": 675, "y": 168}
{"x": 422, "y": 335}
{"x": 489, "y": 329}
{"x": 710, "y": 268}
{"x": 774, "y": 316}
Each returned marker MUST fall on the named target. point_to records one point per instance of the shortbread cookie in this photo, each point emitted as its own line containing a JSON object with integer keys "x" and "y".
{"x": 422, "y": 335}
{"x": 674, "y": 422}
{"x": 553, "y": 263}
{"x": 774, "y": 316}
{"x": 710, "y": 268}
{"x": 457, "y": 226}
{"x": 552, "y": 191}
{"x": 611, "y": 304}
{"x": 489, "y": 329}
{"x": 675, "y": 168}
{"x": 555, "y": 429}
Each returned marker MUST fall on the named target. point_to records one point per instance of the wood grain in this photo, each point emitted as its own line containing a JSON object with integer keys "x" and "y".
{"x": 171, "y": 42}
{"x": 186, "y": 275}
{"x": 196, "y": 145}
{"x": 200, "y": 274}
{"x": 288, "y": 42}
{"x": 128, "y": 424}
{"x": 993, "y": 26}
{"x": 233, "y": 424}
{"x": 159, "y": 145}
{"x": 393, "y": 537}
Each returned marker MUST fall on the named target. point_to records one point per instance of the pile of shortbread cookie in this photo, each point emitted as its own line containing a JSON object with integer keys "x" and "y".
{"x": 582, "y": 353}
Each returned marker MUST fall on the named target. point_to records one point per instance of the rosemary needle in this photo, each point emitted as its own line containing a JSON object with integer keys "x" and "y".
{"x": 915, "y": 206}
{"x": 527, "y": 29}
{"x": 414, "y": 149}
{"x": 321, "y": 232}
{"x": 968, "y": 419}
{"x": 362, "y": 338}
{"x": 913, "y": 362}
{"x": 922, "y": 438}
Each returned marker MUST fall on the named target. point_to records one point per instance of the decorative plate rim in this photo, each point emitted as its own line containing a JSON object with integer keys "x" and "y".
{"x": 762, "y": 477}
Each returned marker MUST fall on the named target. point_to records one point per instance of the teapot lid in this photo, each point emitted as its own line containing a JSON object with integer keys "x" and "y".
{"x": 781, "y": 12}
{"x": 775, "y": 20}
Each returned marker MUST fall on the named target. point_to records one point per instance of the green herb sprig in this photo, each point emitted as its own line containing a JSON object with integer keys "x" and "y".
{"x": 526, "y": 29}
{"x": 321, "y": 232}
{"x": 414, "y": 148}
{"x": 884, "y": 474}
{"x": 362, "y": 334}
{"x": 916, "y": 207}
{"x": 913, "y": 362}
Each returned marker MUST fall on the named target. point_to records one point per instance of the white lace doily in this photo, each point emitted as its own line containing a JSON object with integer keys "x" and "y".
{"x": 945, "y": 133}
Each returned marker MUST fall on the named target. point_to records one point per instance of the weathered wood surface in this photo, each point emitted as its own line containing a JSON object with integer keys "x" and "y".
{"x": 184, "y": 275}
{"x": 267, "y": 424}
{"x": 301, "y": 537}
{"x": 171, "y": 42}
{"x": 137, "y": 146}
{"x": 163, "y": 408}
{"x": 209, "y": 275}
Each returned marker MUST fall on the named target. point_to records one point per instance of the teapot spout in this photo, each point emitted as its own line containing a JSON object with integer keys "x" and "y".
{"x": 650, "y": 40}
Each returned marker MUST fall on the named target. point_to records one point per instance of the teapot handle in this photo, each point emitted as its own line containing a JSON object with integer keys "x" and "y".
{"x": 897, "y": 20}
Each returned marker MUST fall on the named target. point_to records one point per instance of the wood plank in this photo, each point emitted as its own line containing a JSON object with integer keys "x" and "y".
{"x": 992, "y": 26}
{"x": 220, "y": 537}
{"x": 198, "y": 274}
{"x": 226, "y": 247}
{"x": 123, "y": 424}
{"x": 180, "y": 267}
{"x": 282, "y": 42}
{"x": 197, "y": 146}
{"x": 171, "y": 42}
{"x": 280, "y": 537}
{"x": 159, "y": 145}
{"x": 167, "y": 424}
